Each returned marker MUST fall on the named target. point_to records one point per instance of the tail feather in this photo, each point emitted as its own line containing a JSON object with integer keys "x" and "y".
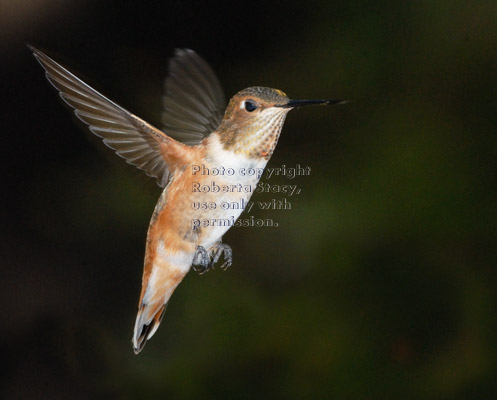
{"x": 147, "y": 323}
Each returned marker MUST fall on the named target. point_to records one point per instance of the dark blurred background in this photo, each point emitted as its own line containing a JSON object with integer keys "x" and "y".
{"x": 380, "y": 283}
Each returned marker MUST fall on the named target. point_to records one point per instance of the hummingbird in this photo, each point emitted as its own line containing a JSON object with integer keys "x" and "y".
{"x": 199, "y": 157}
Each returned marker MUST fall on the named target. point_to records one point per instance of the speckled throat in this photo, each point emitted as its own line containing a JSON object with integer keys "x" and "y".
{"x": 259, "y": 137}
{"x": 254, "y": 130}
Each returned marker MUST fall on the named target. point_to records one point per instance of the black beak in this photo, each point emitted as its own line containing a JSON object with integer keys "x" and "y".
{"x": 300, "y": 103}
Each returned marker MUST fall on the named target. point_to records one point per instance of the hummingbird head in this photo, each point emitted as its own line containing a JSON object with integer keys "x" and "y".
{"x": 253, "y": 120}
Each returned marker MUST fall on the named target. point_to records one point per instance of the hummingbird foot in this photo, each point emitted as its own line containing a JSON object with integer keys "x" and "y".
{"x": 201, "y": 260}
{"x": 220, "y": 249}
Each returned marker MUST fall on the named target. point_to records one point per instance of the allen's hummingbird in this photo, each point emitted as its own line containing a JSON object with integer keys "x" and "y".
{"x": 203, "y": 159}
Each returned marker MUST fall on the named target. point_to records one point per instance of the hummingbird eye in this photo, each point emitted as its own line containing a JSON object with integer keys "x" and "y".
{"x": 250, "y": 105}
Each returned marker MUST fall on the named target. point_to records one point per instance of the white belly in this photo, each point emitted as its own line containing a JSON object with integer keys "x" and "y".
{"x": 229, "y": 204}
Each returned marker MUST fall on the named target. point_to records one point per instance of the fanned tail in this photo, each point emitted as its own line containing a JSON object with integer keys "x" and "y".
{"x": 147, "y": 322}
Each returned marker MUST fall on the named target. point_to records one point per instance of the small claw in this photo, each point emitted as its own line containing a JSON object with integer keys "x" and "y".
{"x": 228, "y": 256}
{"x": 201, "y": 261}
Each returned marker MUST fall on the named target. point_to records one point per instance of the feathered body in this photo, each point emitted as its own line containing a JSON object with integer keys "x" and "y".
{"x": 172, "y": 241}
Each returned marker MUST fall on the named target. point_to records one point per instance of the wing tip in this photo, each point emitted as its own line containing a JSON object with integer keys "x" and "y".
{"x": 181, "y": 51}
{"x": 37, "y": 53}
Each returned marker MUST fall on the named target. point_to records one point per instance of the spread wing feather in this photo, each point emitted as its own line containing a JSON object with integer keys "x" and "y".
{"x": 132, "y": 138}
{"x": 193, "y": 102}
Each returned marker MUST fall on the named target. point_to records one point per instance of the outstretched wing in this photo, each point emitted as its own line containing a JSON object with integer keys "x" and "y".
{"x": 132, "y": 138}
{"x": 193, "y": 102}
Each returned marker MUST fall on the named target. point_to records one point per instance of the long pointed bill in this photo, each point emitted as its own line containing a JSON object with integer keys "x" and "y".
{"x": 300, "y": 103}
